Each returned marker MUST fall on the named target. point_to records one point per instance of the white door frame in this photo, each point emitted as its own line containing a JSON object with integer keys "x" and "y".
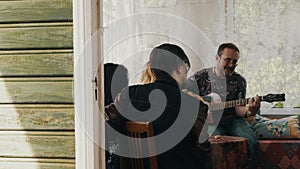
{"x": 87, "y": 56}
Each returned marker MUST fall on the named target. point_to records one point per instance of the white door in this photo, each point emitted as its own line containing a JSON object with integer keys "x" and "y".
{"x": 87, "y": 60}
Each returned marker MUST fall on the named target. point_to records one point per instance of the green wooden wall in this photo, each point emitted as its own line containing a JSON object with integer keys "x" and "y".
{"x": 36, "y": 85}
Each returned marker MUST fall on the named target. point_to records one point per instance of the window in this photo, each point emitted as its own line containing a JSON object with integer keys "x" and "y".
{"x": 267, "y": 33}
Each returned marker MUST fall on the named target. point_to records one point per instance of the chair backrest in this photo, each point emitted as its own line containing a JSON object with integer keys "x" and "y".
{"x": 141, "y": 130}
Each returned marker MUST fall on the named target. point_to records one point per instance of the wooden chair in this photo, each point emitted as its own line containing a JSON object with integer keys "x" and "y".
{"x": 140, "y": 130}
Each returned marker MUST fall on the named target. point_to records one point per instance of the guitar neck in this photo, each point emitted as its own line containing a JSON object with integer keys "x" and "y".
{"x": 232, "y": 103}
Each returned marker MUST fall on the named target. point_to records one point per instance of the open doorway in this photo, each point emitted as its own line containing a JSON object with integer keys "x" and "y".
{"x": 124, "y": 32}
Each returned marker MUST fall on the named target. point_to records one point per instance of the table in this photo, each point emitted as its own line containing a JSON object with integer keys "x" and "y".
{"x": 229, "y": 152}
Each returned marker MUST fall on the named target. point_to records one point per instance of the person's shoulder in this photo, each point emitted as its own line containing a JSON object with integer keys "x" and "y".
{"x": 239, "y": 77}
{"x": 139, "y": 87}
{"x": 201, "y": 72}
{"x": 198, "y": 75}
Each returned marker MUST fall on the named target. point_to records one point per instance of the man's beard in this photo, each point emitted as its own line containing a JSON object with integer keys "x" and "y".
{"x": 229, "y": 69}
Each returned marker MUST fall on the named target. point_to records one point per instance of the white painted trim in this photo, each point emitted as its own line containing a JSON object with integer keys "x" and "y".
{"x": 87, "y": 55}
{"x": 281, "y": 111}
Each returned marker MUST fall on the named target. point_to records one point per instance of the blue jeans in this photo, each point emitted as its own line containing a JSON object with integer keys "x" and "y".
{"x": 238, "y": 127}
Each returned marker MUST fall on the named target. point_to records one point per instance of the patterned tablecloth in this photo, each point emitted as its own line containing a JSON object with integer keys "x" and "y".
{"x": 229, "y": 152}
{"x": 279, "y": 154}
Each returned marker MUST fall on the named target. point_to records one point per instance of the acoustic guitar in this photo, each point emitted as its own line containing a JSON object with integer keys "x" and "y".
{"x": 233, "y": 103}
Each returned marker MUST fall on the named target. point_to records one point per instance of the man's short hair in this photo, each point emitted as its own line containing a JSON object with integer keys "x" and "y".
{"x": 166, "y": 58}
{"x": 227, "y": 45}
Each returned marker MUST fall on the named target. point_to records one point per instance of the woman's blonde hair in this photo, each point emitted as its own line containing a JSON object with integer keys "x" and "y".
{"x": 147, "y": 76}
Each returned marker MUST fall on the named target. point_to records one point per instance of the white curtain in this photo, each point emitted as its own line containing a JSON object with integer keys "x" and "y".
{"x": 133, "y": 27}
{"x": 268, "y": 35}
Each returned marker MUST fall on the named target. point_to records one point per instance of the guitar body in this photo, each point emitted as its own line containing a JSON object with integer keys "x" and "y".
{"x": 214, "y": 99}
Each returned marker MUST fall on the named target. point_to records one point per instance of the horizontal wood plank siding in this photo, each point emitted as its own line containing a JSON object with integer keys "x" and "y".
{"x": 36, "y": 63}
{"x": 35, "y": 10}
{"x": 36, "y": 36}
{"x": 36, "y": 117}
{"x": 36, "y": 90}
{"x": 36, "y": 85}
{"x": 37, "y": 144}
{"x": 20, "y": 163}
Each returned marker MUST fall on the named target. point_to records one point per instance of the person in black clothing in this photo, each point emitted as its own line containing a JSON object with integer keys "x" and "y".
{"x": 115, "y": 79}
{"x": 181, "y": 137}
